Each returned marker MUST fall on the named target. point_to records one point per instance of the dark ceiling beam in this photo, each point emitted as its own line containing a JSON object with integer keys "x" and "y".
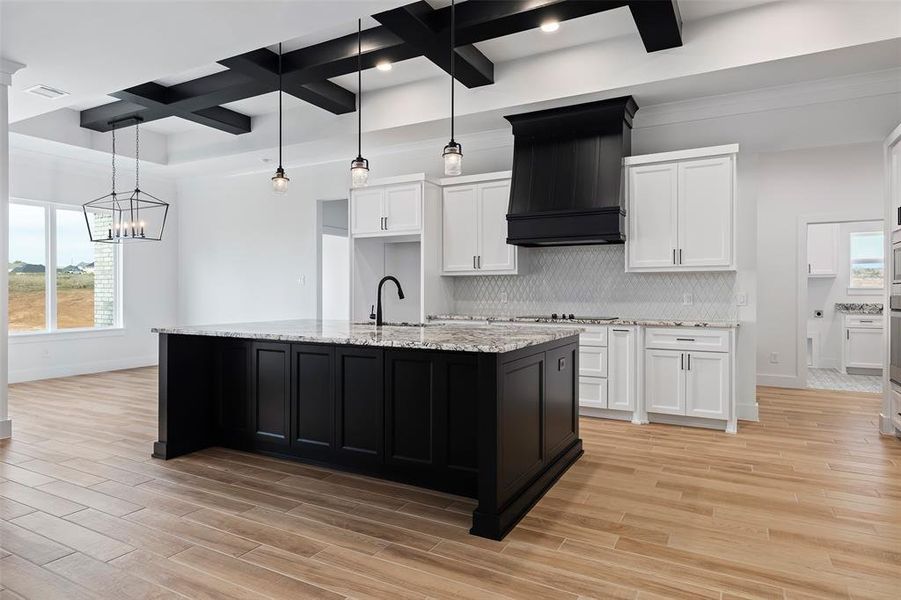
{"x": 152, "y": 101}
{"x": 262, "y": 65}
{"x": 410, "y": 23}
{"x": 658, "y": 22}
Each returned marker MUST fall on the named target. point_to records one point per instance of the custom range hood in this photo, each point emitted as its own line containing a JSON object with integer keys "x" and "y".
{"x": 567, "y": 174}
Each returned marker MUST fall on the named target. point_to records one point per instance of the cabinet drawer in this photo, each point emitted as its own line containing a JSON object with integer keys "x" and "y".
{"x": 864, "y": 321}
{"x": 593, "y": 392}
{"x": 593, "y": 336}
{"x": 592, "y": 361}
{"x": 693, "y": 338}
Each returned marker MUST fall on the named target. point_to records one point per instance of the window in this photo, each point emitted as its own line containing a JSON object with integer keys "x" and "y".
{"x": 867, "y": 262}
{"x": 58, "y": 279}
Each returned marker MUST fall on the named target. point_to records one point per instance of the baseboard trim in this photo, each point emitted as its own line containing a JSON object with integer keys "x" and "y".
{"x": 786, "y": 381}
{"x": 6, "y": 429}
{"x": 23, "y": 375}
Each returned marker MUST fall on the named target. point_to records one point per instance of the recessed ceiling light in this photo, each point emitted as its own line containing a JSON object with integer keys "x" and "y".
{"x": 550, "y": 26}
{"x": 45, "y": 91}
{"x": 383, "y": 66}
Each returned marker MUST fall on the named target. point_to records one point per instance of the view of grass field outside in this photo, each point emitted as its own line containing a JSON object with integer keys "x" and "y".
{"x": 85, "y": 272}
{"x": 867, "y": 263}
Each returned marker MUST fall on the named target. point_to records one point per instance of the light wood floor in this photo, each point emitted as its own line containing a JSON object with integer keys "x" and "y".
{"x": 805, "y": 504}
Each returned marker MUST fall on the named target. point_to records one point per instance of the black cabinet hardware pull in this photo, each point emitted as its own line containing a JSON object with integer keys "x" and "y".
{"x": 622, "y": 330}
{"x": 689, "y": 362}
{"x": 685, "y": 339}
{"x": 680, "y": 256}
{"x": 674, "y": 256}
{"x": 681, "y": 362}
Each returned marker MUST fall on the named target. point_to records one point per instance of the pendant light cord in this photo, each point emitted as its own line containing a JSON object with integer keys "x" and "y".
{"x": 359, "y": 88}
{"x": 279, "y": 105}
{"x": 114, "y": 159}
{"x": 452, "y": 57}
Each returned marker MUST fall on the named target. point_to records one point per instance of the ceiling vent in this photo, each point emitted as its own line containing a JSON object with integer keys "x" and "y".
{"x": 45, "y": 91}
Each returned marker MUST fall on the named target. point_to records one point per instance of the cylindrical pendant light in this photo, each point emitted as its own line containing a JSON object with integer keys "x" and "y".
{"x": 280, "y": 180}
{"x": 359, "y": 167}
{"x": 453, "y": 152}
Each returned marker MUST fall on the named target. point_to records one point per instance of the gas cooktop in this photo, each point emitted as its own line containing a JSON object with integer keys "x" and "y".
{"x": 566, "y": 317}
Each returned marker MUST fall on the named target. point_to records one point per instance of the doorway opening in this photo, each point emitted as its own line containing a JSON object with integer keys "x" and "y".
{"x": 842, "y": 304}
{"x": 334, "y": 260}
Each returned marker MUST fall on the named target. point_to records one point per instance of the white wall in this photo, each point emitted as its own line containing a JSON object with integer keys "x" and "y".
{"x": 824, "y": 292}
{"x": 149, "y": 276}
{"x": 817, "y": 181}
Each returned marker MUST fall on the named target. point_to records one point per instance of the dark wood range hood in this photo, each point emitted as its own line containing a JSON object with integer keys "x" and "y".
{"x": 567, "y": 174}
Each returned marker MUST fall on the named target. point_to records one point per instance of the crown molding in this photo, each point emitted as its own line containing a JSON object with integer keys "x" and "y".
{"x": 863, "y": 85}
{"x": 7, "y": 68}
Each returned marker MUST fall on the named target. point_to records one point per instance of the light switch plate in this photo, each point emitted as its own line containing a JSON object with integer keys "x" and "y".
{"x": 687, "y": 299}
{"x": 741, "y": 299}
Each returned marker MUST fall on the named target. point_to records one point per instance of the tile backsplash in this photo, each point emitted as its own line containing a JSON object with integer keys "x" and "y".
{"x": 590, "y": 281}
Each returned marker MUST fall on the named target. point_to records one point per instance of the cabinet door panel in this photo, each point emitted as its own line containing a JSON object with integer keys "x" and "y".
{"x": 233, "y": 407}
{"x": 560, "y": 399}
{"x": 652, "y": 215}
{"x": 705, "y": 213}
{"x": 409, "y": 407}
{"x": 494, "y": 252}
{"x": 271, "y": 392}
{"x": 313, "y": 398}
{"x": 366, "y": 211}
{"x": 822, "y": 249}
{"x": 593, "y": 392}
{"x": 621, "y": 369}
{"x": 664, "y": 381}
{"x": 359, "y": 404}
{"x": 403, "y": 207}
{"x": 707, "y": 385}
{"x": 863, "y": 348}
{"x": 459, "y": 218}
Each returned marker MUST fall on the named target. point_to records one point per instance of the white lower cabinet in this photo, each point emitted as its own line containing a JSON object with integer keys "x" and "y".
{"x": 592, "y": 392}
{"x": 664, "y": 382}
{"x": 681, "y": 379}
{"x": 863, "y": 346}
{"x": 621, "y": 369}
{"x": 707, "y": 385}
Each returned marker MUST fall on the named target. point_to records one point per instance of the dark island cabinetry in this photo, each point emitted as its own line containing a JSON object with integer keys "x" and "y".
{"x": 497, "y": 427}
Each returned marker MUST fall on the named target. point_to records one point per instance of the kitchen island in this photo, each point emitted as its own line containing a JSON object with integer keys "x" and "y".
{"x": 479, "y": 411}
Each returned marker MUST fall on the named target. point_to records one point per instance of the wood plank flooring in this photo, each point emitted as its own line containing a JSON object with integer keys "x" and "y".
{"x": 805, "y": 504}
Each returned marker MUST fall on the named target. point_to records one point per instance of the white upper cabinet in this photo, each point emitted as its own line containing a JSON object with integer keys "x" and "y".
{"x": 705, "y": 213}
{"x": 474, "y": 228}
{"x": 652, "y": 216}
{"x": 681, "y": 210}
{"x": 822, "y": 249}
{"x": 461, "y": 244}
{"x": 386, "y": 210}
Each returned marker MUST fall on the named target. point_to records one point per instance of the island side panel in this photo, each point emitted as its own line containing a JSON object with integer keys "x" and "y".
{"x": 528, "y": 430}
{"x": 185, "y": 395}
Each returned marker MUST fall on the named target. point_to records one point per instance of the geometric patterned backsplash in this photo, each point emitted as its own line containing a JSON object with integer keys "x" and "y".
{"x": 590, "y": 281}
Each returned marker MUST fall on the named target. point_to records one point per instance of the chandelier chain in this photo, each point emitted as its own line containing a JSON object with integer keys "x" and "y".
{"x": 359, "y": 87}
{"x": 114, "y": 160}
{"x": 137, "y": 152}
{"x": 452, "y": 57}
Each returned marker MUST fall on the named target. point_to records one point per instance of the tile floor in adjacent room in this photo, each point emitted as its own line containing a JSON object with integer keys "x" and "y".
{"x": 835, "y": 379}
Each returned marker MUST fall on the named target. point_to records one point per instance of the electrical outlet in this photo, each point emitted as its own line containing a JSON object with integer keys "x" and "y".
{"x": 687, "y": 299}
{"x": 503, "y": 297}
{"x": 774, "y": 357}
{"x": 741, "y": 299}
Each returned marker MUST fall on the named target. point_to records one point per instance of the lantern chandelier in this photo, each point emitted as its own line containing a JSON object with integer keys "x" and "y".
{"x": 114, "y": 218}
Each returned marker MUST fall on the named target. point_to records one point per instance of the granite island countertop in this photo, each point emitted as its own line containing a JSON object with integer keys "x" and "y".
{"x": 463, "y": 338}
{"x": 577, "y": 322}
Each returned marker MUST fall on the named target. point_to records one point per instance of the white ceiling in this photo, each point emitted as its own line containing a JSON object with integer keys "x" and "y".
{"x": 174, "y": 41}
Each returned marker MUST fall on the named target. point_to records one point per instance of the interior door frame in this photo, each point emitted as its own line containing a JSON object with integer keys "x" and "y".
{"x": 801, "y": 274}
{"x": 885, "y": 418}
{"x": 320, "y": 229}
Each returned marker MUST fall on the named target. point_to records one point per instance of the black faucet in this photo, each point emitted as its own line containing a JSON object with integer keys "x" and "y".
{"x": 400, "y": 295}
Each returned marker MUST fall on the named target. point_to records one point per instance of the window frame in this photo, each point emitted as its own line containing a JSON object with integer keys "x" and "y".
{"x": 864, "y": 291}
{"x": 51, "y": 328}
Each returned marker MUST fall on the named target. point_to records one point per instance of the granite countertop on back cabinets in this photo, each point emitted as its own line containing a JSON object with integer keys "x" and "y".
{"x": 472, "y": 338}
{"x": 617, "y": 321}
{"x": 859, "y": 308}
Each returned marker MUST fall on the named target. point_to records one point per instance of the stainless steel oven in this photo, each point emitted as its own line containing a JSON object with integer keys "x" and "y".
{"x": 896, "y": 258}
{"x": 895, "y": 335}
